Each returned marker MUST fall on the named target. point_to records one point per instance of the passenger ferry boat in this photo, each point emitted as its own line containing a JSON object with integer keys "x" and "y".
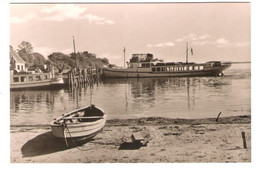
{"x": 143, "y": 65}
{"x": 34, "y": 80}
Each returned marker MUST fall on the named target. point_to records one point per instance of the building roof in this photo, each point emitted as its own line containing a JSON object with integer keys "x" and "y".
{"x": 15, "y": 56}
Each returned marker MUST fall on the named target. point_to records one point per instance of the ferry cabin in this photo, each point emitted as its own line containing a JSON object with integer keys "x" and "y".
{"x": 175, "y": 67}
{"x": 27, "y": 78}
{"x": 146, "y": 61}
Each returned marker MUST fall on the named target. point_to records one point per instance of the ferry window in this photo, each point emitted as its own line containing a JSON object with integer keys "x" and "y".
{"x": 163, "y": 69}
{"x": 30, "y": 78}
{"x": 158, "y": 69}
{"x": 16, "y": 79}
{"x": 18, "y": 67}
{"x": 153, "y": 69}
{"x": 201, "y": 67}
{"x": 196, "y": 68}
{"x": 38, "y": 78}
{"x": 45, "y": 76}
{"x": 22, "y": 68}
{"x": 191, "y": 68}
{"x": 23, "y": 79}
{"x": 185, "y": 68}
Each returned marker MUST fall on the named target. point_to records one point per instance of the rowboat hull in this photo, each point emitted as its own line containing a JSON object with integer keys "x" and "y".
{"x": 75, "y": 126}
{"x": 78, "y": 130}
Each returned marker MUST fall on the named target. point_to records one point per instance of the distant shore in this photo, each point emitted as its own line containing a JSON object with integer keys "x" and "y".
{"x": 172, "y": 140}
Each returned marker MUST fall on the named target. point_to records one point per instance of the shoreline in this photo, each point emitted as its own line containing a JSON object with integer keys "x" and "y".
{"x": 172, "y": 140}
{"x": 241, "y": 119}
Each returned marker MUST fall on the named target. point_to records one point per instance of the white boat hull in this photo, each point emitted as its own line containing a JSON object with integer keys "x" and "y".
{"x": 81, "y": 123}
{"x": 77, "y": 130}
{"x": 36, "y": 84}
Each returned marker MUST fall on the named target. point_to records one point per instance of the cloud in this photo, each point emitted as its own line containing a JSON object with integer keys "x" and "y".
{"x": 242, "y": 44}
{"x": 23, "y": 19}
{"x": 224, "y": 43}
{"x": 106, "y": 22}
{"x": 97, "y": 19}
{"x": 206, "y": 39}
{"x": 221, "y": 41}
{"x": 63, "y": 12}
{"x": 193, "y": 37}
{"x": 165, "y": 44}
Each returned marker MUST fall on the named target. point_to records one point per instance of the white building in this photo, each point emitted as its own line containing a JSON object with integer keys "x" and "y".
{"x": 16, "y": 62}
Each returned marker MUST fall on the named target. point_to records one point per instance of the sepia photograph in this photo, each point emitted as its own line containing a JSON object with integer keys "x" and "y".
{"x": 140, "y": 82}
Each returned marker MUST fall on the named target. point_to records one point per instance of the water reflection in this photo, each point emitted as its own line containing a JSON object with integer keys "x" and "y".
{"x": 148, "y": 91}
{"x": 21, "y": 100}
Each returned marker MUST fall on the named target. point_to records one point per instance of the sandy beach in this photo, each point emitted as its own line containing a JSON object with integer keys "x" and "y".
{"x": 171, "y": 141}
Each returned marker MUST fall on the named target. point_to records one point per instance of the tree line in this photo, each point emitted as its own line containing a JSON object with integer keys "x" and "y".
{"x": 59, "y": 60}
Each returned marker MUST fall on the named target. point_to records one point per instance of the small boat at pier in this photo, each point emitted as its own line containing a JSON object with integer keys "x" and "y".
{"x": 80, "y": 124}
{"x": 34, "y": 80}
{"x": 23, "y": 77}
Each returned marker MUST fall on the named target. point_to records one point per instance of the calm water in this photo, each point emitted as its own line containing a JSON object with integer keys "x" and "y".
{"x": 186, "y": 97}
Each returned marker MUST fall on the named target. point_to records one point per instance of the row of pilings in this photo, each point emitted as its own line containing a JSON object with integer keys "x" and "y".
{"x": 78, "y": 76}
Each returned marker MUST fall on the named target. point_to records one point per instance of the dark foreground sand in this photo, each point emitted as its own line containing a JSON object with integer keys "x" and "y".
{"x": 172, "y": 140}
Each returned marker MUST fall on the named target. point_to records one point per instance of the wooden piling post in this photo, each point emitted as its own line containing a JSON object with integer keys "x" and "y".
{"x": 218, "y": 117}
{"x": 69, "y": 78}
{"x": 80, "y": 79}
{"x": 72, "y": 77}
{"x": 244, "y": 139}
{"x": 84, "y": 76}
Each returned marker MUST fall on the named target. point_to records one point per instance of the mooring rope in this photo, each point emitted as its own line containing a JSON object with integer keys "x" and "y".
{"x": 74, "y": 144}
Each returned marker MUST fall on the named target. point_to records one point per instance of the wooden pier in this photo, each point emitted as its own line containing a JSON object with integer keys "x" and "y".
{"x": 78, "y": 76}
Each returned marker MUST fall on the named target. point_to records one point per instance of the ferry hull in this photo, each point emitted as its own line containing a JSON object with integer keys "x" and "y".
{"x": 124, "y": 73}
{"x": 37, "y": 84}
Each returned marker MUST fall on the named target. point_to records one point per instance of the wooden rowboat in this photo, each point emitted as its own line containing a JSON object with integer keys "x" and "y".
{"x": 83, "y": 123}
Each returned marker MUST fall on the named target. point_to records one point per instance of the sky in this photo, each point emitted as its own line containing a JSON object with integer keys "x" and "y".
{"x": 215, "y": 31}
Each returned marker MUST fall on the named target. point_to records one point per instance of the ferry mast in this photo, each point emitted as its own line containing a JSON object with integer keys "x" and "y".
{"x": 187, "y": 52}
